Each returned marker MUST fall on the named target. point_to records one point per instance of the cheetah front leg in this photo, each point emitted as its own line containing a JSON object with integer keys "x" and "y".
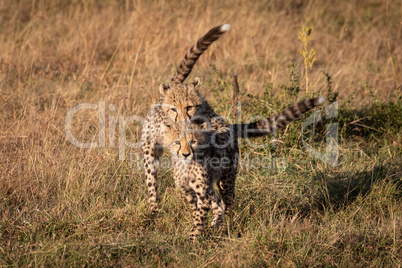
{"x": 227, "y": 190}
{"x": 201, "y": 212}
{"x": 152, "y": 154}
{"x": 214, "y": 204}
{"x": 192, "y": 200}
{"x": 217, "y": 210}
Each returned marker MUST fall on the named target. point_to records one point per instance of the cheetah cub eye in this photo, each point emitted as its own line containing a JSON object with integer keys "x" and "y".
{"x": 177, "y": 142}
{"x": 192, "y": 143}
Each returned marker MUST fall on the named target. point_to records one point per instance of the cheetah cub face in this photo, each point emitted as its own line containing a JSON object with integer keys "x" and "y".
{"x": 181, "y": 101}
{"x": 183, "y": 140}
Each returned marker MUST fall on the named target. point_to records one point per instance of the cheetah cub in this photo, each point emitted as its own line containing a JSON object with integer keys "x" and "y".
{"x": 201, "y": 157}
{"x": 178, "y": 102}
{"x": 189, "y": 150}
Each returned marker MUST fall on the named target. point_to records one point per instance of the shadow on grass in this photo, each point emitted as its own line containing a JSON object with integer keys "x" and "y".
{"x": 376, "y": 120}
{"x": 338, "y": 190}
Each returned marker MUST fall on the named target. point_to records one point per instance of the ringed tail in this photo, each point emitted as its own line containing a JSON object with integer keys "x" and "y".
{"x": 196, "y": 51}
{"x": 272, "y": 124}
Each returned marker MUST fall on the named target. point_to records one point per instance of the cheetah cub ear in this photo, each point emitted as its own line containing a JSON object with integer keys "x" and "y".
{"x": 204, "y": 126}
{"x": 196, "y": 83}
{"x": 163, "y": 89}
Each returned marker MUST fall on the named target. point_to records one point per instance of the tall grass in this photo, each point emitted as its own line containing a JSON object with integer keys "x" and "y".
{"x": 65, "y": 206}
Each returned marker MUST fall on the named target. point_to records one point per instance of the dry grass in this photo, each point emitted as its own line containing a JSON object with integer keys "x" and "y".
{"x": 66, "y": 206}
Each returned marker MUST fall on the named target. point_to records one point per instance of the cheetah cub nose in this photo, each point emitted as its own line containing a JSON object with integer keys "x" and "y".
{"x": 186, "y": 155}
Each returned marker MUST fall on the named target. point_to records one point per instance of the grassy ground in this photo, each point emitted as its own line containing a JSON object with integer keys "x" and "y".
{"x": 66, "y": 206}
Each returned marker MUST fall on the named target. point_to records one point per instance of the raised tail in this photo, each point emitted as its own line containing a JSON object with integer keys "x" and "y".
{"x": 195, "y": 52}
{"x": 271, "y": 124}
